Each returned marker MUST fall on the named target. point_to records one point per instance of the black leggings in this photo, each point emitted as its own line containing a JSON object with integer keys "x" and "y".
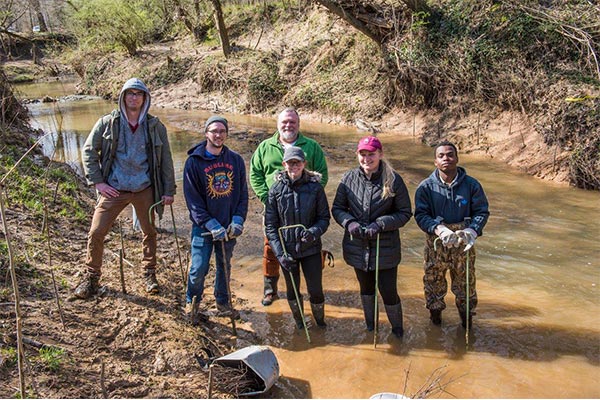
{"x": 387, "y": 284}
{"x": 312, "y": 269}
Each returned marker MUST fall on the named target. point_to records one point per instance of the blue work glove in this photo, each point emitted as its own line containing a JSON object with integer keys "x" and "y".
{"x": 216, "y": 229}
{"x": 372, "y": 230}
{"x": 288, "y": 263}
{"x": 236, "y": 227}
{"x": 307, "y": 236}
{"x": 355, "y": 229}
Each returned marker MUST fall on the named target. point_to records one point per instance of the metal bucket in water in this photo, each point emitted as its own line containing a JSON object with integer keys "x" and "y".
{"x": 261, "y": 362}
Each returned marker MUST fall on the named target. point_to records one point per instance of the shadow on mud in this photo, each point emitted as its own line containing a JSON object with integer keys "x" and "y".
{"x": 496, "y": 330}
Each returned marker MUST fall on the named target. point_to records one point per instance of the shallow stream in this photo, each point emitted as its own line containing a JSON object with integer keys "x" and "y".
{"x": 537, "y": 329}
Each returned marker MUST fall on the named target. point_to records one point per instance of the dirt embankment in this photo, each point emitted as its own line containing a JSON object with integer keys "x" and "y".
{"x": 511, "y": 137}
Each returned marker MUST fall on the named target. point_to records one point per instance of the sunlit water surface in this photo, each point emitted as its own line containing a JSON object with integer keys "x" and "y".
{"x": 537, "y": 329}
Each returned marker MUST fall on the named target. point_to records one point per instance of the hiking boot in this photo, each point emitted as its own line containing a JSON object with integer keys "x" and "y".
{"x": 87, "y": 287}
{"x": 435, "y": 316}
{"x": 151, "y": 282}
{"x": 223, "y": 310}
{"x": 269, "y": 299}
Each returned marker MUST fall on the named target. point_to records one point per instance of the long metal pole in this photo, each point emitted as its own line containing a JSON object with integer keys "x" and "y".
{"x": 177, "y": 243}
{"x": 300, "y": 308}
{"x": 226, "y": 271}
{"x": 376, "y": 315}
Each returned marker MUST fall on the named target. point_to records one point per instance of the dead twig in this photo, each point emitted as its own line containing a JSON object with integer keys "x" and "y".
{"x": 13, "y": 275}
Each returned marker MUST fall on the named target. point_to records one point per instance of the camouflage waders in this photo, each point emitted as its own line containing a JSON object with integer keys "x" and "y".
{"x": 436, "y": 263}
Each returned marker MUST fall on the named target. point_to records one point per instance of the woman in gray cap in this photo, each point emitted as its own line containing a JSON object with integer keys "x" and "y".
{"x": 296, "y": 216}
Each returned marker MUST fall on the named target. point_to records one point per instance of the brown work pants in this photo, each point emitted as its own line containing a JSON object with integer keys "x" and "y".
{"x": 106, "y": 212}
{"x": 270, "y": 269}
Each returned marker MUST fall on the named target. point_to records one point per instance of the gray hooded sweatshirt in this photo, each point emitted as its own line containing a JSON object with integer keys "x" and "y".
{"x": 131, "y": 171}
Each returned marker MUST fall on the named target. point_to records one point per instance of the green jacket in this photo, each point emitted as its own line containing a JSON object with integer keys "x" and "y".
{"x": 268, "y": 157}
{"x": 101, "y": 145}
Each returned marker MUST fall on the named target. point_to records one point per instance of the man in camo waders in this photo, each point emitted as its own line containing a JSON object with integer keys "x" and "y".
{"x": 452, "y": 206}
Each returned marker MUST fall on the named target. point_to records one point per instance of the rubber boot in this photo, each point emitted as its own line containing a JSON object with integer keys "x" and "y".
{"x": 394, "y": 314}
{"x": 318, "y": 312}
{"x": 463, "y": 319}
{"x": 368, "y": 303}
{"x": 435, "y": 316}
{"x": 296, "y": 313}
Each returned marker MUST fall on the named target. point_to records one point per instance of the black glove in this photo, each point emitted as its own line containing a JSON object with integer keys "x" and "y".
{"x": 307, "y": 236}
{"x": 288, "y": 263}
{"x": 355, "y": 229}
{"x": 372, "y": 230}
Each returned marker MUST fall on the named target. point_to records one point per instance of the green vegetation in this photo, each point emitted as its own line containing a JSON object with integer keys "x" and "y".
{"x": 112, "y": 24}
{"x": 52, "y": 358}
{"x": 9, "y": 354}
{"x": 461, "y": 57}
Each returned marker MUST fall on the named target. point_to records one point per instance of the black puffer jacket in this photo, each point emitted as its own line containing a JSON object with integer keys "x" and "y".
{"x": 301, "y": 202}
{"x": 359, "y": 199}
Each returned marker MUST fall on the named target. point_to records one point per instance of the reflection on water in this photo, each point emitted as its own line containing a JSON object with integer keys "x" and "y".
{"x": 537, "y": 329}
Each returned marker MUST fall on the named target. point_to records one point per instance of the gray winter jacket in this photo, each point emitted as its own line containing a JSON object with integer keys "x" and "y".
{"x": 302, "y": 202}
{"x": 360, "y": 199}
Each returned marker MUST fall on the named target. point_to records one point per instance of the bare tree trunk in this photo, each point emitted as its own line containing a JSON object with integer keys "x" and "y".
{"x": 417, "y": 5}
{"x": 221, "y": 27}
{"x": 35, "y": 5}
{"x": 338, "y": 10}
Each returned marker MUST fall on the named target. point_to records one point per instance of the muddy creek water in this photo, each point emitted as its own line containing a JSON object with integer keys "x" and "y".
{"x": 537, "y": 329}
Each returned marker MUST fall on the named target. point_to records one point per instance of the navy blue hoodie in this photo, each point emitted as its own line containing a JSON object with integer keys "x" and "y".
{"x": 215, "y": 187}
{"x": 435, "y": 201}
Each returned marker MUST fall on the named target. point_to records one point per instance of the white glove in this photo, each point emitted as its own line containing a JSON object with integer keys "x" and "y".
{"x": 449, "y": 238}
{"x": 467, "y": 237}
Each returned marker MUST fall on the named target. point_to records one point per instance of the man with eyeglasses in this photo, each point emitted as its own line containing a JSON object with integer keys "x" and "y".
{"x": 266, "y": 162}
{"x": 216, "y": 193}
{"x": 128, "y": 159}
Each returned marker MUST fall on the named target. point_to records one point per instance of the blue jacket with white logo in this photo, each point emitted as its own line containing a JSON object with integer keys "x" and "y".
{"x": 215, "y": 187}
{"x": 464, "y": 198}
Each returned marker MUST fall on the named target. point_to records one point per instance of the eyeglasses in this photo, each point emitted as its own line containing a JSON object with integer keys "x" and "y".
{"x": 134, "y": 94}
{"x": 217, "y": 132}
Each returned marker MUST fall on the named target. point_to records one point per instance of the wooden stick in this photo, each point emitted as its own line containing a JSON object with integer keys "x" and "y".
{"x": 15, "y": 284}
{"x": 102, "y": 386}
{"x": 210, "y": 381}
{"x": 123, "y": 288}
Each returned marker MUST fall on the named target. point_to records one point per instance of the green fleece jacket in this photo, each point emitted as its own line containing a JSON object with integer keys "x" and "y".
{"x": 268, "y": 157}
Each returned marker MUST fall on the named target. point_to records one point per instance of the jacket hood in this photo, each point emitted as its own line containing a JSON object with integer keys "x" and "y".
{"x": 135, "y": 83}
{"x": 307, "y": 176}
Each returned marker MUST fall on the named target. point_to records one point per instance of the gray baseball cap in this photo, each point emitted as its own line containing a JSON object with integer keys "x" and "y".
{"x": 293, "y": 153}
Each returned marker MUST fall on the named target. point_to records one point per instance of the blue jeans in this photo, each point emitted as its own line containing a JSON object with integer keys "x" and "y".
{"x": 202, "y": 248}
